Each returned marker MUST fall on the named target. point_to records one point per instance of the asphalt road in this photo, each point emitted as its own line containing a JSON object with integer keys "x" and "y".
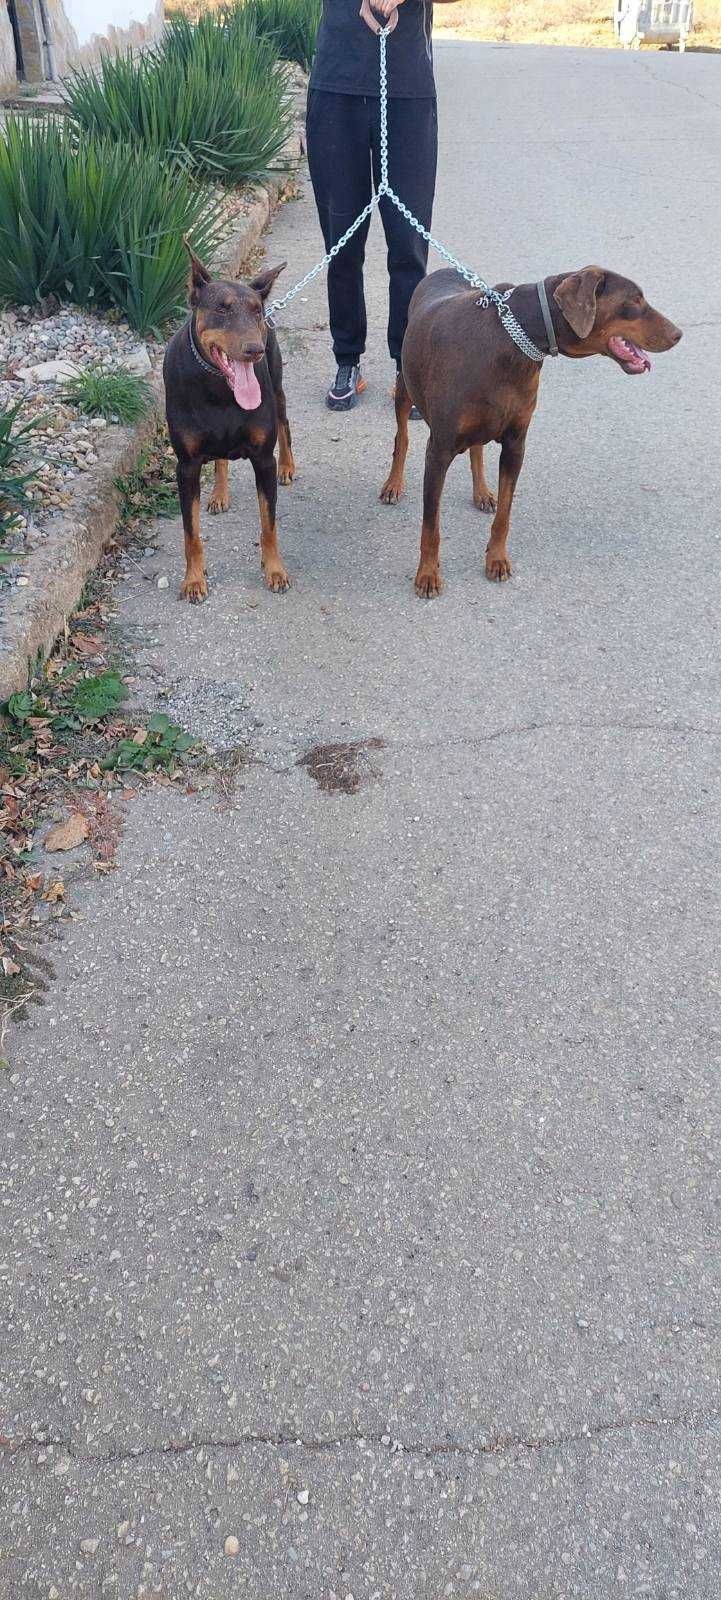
{"x": 361, "y": 1201}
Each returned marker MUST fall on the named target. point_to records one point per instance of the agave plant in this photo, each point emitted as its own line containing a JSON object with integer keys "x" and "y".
{"x": 291, "y": 24}
{"x": 88, "y": 218}
{"x": 211, "y": 96}
{"x": 15, "y": 476}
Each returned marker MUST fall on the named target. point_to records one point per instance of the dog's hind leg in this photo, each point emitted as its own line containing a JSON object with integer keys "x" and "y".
{"x": 483, "y": 496}
{"x": 194, "y": 586}
{"x": 286, "y": 464}
{"x": 266, "y": 482}
{"x": 220, "y": 496}
{"x": 393, "y": 486}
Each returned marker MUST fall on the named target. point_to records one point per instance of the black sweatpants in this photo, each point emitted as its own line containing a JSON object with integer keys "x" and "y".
{"x": 343, "y": 139}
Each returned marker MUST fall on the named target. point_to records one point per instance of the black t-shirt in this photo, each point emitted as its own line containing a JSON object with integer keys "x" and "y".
{"x": 347, "y": 53}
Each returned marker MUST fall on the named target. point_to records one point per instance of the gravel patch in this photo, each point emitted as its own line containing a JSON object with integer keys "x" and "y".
{"x": 36, "y": 354}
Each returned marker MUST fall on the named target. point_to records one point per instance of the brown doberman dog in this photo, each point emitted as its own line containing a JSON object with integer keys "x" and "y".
{"x": 224, "y": 400}
{"x": 472, "y": 384}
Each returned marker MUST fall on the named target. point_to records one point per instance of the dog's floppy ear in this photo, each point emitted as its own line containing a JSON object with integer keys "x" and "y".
{"x": 576, "y": 296}
{"x": 198, "y": 273}
{"x": 263, "y": 281}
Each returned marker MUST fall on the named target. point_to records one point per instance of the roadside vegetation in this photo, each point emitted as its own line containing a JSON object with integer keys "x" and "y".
{"x": 16, "y": 475}
{"x": 559, "y": 22}
{"x": 96, "y": 222}
{"x": 94, "y": 204}
{"x": 116, "y": 396}
{"x": 211, "y": 98}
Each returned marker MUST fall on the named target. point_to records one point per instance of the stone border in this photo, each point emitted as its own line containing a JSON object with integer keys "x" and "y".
{"x": 35, "y": 614}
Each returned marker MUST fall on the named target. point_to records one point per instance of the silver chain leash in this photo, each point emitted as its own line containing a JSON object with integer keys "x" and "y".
{"x": 488, "y": 295}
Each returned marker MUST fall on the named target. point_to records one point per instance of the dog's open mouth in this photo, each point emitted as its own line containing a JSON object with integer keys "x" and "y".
{"x": 628, "y": 355}
{"x": 241, "y": 377}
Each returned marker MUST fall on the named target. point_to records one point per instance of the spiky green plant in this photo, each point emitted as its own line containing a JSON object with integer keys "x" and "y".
{"x": 211, "y": 96}
{"x": 15, "y": 475}
{"x": 93, "y": 220}
{"x": 291, "y": 24}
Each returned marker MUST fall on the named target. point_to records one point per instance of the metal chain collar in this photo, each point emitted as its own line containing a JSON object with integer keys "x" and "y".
{"x": 488, "y": 296}
{"x": 196, "y": 351}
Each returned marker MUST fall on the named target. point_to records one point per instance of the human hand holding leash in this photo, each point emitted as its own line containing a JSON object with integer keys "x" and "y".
{"x": 388, "y": 9}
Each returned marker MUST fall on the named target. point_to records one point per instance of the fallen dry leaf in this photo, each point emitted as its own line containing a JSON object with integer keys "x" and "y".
{"x": 89, "y": 644}
{"x": 54, "y": 892}
{"x": 10, "y": 968}
{"x": 68, "y": 835}
{"x": 140, "y": 736}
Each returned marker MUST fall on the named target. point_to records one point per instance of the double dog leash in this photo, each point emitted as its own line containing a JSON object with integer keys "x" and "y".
{"x": 488, "y": 295}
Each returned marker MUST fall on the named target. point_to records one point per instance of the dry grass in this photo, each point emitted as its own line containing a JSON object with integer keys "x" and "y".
{"x": 558, "y": 22}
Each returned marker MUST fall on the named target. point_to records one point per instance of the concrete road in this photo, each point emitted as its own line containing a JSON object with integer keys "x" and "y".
{"x": 361, "y": 1201}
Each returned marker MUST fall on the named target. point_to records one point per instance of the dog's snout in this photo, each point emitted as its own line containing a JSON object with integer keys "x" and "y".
{"x": 253, "y": 352}
{"x": 675, "y": 334}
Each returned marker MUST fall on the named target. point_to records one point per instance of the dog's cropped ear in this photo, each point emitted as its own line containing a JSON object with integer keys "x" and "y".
{"x": 576, "y": 296}
{"x": 263, "y": 281}
{"x": 198, "y": 273}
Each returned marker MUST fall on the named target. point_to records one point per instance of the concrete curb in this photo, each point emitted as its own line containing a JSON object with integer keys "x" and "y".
{"x": 35, "y": 615}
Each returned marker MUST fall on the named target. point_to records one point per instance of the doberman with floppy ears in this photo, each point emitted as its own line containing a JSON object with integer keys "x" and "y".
{"x": 224, "y": 400}
{"x": 472, "y": 384}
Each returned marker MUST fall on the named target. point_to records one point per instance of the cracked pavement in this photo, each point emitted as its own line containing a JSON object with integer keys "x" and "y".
{"x": 360, "y": 1171}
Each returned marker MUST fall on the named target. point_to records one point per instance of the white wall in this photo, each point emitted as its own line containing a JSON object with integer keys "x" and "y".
{"x": 90, "y": 18}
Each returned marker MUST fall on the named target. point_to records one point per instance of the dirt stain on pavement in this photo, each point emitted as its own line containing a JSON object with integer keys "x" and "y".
{"x": 343, "y": 768}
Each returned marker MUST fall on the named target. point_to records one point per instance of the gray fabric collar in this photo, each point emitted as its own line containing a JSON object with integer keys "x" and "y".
{"x": 546, "y": 314}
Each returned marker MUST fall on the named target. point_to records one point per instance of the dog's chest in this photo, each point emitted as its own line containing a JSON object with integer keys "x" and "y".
{"x": 227, "y": 431}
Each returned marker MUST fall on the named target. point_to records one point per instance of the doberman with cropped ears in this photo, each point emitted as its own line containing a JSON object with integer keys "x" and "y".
{"x": 224, "y": 401}
{"x": 472, "y": 383}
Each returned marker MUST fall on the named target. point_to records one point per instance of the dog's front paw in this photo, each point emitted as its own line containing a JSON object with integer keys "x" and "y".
{"x": 392, "y": 490}
{"x": 218, "y": 502}
{"x": 429, "y": 582}
{"x": 277, "y": 578}
{"x": 485, "y": 502}
{"x": 498, "y": 567}
{"x": 193, "y": 588}
{"x": 286, "y": 475}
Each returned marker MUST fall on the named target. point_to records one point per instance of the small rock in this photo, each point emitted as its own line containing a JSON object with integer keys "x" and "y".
{"x": 123, "y": 1530}
{"x": 163, "y": 583}
{"x": 138, "y": 361}
{"x": 48, "y": 371}
{"x": 88, "y": 1547}
{"x": 231, "y": 1546}
{"x": 303, "y": 1496}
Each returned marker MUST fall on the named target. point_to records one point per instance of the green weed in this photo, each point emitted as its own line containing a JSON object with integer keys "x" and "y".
{"x": 109, "y": 392}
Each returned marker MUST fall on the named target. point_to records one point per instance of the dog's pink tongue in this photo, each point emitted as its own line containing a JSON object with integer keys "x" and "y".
{"x": 246, "y": 387}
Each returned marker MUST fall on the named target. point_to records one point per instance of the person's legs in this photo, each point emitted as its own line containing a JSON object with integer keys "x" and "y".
{"x": 338, "y": 140}
{"x": 413, "y": 149}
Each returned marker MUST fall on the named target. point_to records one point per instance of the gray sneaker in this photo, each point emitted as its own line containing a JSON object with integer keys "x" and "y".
{"x": 346, "y": 387}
